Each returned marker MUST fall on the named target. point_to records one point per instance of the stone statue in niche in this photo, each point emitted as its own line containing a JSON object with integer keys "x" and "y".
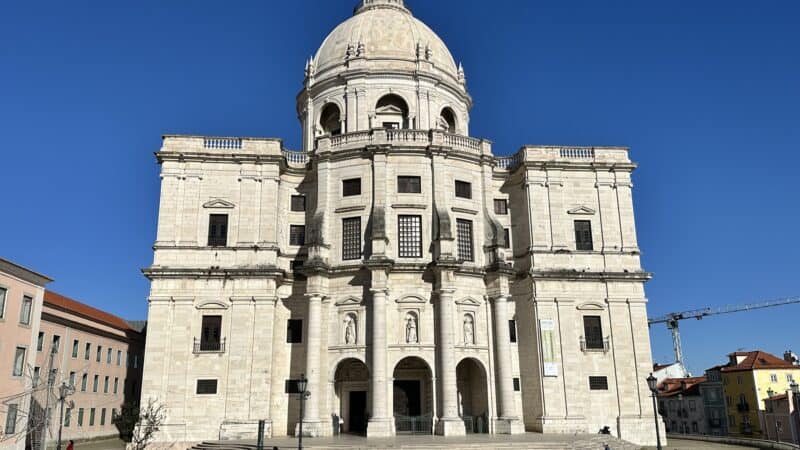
{"x": 469, "y": 330}
{"x": 411, "y": 329}
{"x": 349, "y": 331}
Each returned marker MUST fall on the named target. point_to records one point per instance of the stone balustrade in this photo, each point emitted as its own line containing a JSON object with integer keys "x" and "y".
{"x": 557, "y": 154}
{"x": 233, "y": 145}
{"x": 404, "y": 138}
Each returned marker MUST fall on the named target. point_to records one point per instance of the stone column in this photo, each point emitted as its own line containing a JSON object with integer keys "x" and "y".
{"x": 311, "y": 418}
{"x": 380, "y": 424}
{"x": 449, "y": 423}
{"x": 506, "y": 411}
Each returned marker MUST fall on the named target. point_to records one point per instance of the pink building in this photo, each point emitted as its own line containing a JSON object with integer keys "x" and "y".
{"x": 780, "y": 417}
{"x": 98, "y": 354}
{"x": 21, "y": 293}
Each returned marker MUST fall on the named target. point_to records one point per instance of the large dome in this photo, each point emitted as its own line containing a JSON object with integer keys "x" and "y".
{"x": 384, "y": 30}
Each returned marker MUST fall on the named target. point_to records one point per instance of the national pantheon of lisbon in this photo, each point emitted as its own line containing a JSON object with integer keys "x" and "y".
{"x": 421, "y": 283}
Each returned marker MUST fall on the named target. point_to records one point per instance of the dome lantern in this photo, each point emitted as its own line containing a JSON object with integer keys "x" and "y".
{"x": 369, "y": 4}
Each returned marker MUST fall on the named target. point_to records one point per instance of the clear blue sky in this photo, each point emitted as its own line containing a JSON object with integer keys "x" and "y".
{"x": 706, "y": 93}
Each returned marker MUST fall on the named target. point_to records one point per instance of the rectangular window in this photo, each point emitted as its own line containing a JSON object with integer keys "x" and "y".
{"x": 297, "y": 235}
{"x": 692, "y": 405}
{"x": 91, "y": 417}
{"x": 99, "y": 353}
{"x": 40, "y": 342}
{"x": 773, "y": 377}
{"x": 88, "y": 351}
{"x": 218, "y": 230}
{"x": 19, "y": 362}
{"x": 598, "y": 383}
{"x": 211, "y": 334}
{"x": 84, "y": 382}
{"x": 583, "y": 235}
{"x": 109, "y": 355}
{"x": 506, "y": 238}
{"x": 75, "y": 348}
{"x": 25, "y": 310}
{"x": 116, "y": 384}
{"x": 105, "y": 385}
{"x": 391, "y": 125}
{"x": 72, "y": 379}
{"x": 516, "y": 385}
{"x": 80, "y": 417}
{"x": 409, "y": 232}
{"x": 206, "y": 387}
{"x": 593, "y": 332}
{"x": 67, "y": 416}
{"x": 102, "y": 417}
{"x": 95, "y": 383}
{"x": 3, "y": 295}
{"x": 464, "y": 234}
{"x": 11, "y": 419}
{"x": 298, "y": 203}
{"x": 351, "y": 187}
{"x": 294, "y": 331}
{"x": 789, "y": 378}
{"x": 351, "y": 238}
{"x": 500, "y": 206}
{"x": 56, "y": 343}
{"x": 409, "y": 185}
{"x": 291, "y": 387}
{"x": 119, "y": 357}
{"x": 36, "y": 371}
{"x": 512, "y": 330}
{"x": 463, "y": 189}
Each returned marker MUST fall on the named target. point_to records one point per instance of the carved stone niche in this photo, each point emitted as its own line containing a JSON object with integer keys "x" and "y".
{"x": 409, "y": 313}
{"x": 468, "y": 309}
{"x": 349, "y": 314}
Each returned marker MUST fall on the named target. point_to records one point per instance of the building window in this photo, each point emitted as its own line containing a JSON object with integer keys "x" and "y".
{"x": 116, "y": 384}
{"x": 19, "y": 361}
{"x": 294, "y": 331}
{"x": 11, "y": 419}
{"x": 218, "y": 230}
{"x": 91, "y": 417}
{"x": 506, "y": 238}
{"x": 72, "y": 379}
{"x": 40, "y": 342}
{"x": 36, "y": 371}
{"x": 692, "y": 405}
{"x": 409, "y": 231}
{"x": 211, "y": 334}
{"x": 108, "y": 356}
{"x": 789, "y": 378}
{"x": 84, "y": 381}
{"x": 593, "y": 332}
{"x": 463, "y": 189}
{"x": 583, "y": 235}
{"x": 297, "y": 235}
{"x": 298, "y": 203}
{"x": 105, "y": 385}
{"x": 3, "y": 294}
{"x": 75, "y": 348}
{"x": 738, "y": 379}
{"x": 99, "y": 353}
{"x": 516, "y": 385}
{"x": 102, "y": 417}
{"x": 206, "y": 387}
{"x": 119, "y": 357}
{"x": 88, "y": 351}
{"x": 67, "y": 416}
{"x": 773, "y": 378}
{"x": 512, "y": 330}
{"x": 80, "y": 417}
{"x": 95, "y": 383}
{"x": 56, "y": 343}
{"x": 409, "y": 185}
{"x": 351, "y": 238}
{"x": 351, "y": 187}
{"x": 598, "y": 383}
{"x": 25, "y": 310}
{"x": 464, "y": 232}
{"x": 500, "y": 206}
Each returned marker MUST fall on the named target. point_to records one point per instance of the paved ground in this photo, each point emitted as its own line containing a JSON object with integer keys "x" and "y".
{"x": 113, "y": 444}
{"x": 679, "y": 444}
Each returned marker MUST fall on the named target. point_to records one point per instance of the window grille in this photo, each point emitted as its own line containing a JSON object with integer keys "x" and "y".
{"x": 500, "y": 206}
{"x": 298, "y": 203}
{"x": 297, "y": 235}
{"x": 583, "y": 235}
{"x": 218, "y": 230}
{"x": 351, "y": 187}
{"x": 593, "y": 332}
{"x": 351, "y": 238}
{"x": 409, "y": 185}
{"x": 463, "y": 189}
{"x": 464, "y": 229}
{"x": 410, "y": 236}
{"x": 206, "y": 387}
{"x": 598, "y": 383}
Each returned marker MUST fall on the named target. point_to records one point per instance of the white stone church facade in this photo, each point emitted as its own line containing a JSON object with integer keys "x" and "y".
{"x": 419, "y": 282}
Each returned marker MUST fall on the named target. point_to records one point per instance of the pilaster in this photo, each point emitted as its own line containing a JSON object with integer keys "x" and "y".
{"x": 312, "y": 425}
{"x": 381, "y": 423}
{"x": 449, "y": 423}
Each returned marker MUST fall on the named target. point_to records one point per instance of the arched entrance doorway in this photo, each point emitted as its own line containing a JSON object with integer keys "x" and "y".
{"x": 351, "y": 384}
{"x": 413, "y": 397}
{"x": 473, "y": 395}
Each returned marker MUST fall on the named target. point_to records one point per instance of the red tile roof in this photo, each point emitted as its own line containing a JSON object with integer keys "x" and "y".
{"x": 758, "y": 360}
{"x": 687, "y": 386}
{"x": 58, "y": 301}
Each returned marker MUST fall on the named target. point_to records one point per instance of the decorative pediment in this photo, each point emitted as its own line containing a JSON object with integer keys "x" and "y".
{"x": 582, "y": 210}
{"x": 468, "y": 301}
{"x": 389, "y": 109}
{"x": 349, "y": 301}
{"x": 591, "y": 306}
{"x": 218, "y": 203}
{"x": 212, "y": 304}
{"x": 411, "y": 299}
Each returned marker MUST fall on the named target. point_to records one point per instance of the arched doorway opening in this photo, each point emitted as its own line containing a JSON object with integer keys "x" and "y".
{"x": 447, "y": 120}
{"x": 473, "y": 396}
{"x": 391, "y": 112}
{"x": 351, "y": 385}
{"x": 413, "y": 397}
{"x": 331, "y": 120}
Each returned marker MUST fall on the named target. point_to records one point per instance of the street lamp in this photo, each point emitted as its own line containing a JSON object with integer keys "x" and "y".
{"x": 302, "y": 385}
{"x": 796, "y": 403}
{"x": 652, "y": 383}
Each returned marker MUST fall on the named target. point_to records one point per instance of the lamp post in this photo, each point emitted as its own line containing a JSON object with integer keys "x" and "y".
{"x": 652, "y": 383}
{"x": 681, "y": 413}
{"x": 796, "y": 403}
{"x": 302, "y": 384}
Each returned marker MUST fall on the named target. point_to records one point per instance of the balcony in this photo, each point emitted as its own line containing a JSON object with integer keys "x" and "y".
{"x": 595, "y": 345}
{"x": 201, "y": 346}
{"x": 401, "y": 138}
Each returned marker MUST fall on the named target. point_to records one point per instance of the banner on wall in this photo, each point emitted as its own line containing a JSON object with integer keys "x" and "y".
{"x": 547, "y": 329}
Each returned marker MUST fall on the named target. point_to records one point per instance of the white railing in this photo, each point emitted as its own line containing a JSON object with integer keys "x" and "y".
{"x": 223, "y": 143}
{"x": 297, "y": 158}
{"x": 457, "y": 140}
{"x": 577, "y": 152}
{"x": 408, "y": 135}
{"x": 351, "y": 138}
{"x": 508, "y": 162}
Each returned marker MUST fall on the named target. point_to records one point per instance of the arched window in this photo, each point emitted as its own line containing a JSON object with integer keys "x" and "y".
{"x": 331, "y": 120}
{"x": 391, "y": 112}
{"x": 447, "y": 120}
